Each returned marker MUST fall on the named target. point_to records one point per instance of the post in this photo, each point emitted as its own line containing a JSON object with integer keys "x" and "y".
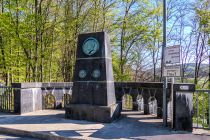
{"x": 209, "y": 109}
{"x": 172, "y": 102}
{"x": 162, "y": 63}
{"x": 165, "y": 102}
{"x": 209, "y": 85}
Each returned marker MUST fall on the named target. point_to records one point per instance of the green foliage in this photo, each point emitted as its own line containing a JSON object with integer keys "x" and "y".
{"x": 200, "y": 105}
{"x": 204, "y": 15}
{"x": 38, "y": 38}
{"x": 127, "y": 102}
{"x": 116, "y": 69}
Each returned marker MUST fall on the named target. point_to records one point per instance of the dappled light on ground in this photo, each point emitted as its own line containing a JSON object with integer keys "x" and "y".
{"x": 131, "y": 125}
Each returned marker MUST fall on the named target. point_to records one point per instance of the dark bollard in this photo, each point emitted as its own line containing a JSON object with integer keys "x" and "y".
{"x": 183, "y": 103}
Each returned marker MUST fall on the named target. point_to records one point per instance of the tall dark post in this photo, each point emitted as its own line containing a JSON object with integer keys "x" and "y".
{"x": 162, "y": 65}
{"x": 209, "y": 87}
{"x": 209, "y": 67}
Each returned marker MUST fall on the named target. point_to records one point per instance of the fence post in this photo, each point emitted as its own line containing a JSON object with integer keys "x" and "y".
{"x": 209, "y": 109}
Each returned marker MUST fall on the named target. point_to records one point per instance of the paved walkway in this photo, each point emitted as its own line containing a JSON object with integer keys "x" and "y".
{"x": 132, "y": 125}
{"x": 13, "y": 137}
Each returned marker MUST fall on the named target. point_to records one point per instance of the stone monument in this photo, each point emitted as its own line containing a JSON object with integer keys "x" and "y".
{"x": 93, "y": 96}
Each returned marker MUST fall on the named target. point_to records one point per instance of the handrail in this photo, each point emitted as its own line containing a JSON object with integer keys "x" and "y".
{"x": 202, "y": 90}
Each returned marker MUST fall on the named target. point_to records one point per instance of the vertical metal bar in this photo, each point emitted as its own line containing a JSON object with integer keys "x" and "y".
{"x": 209, "y": 85}
{"x": 4, "y": 101}
{"x": 197, "y": 108}
{"x": 164, "y": 36}
{"x": 209, "y": 108}
{"x": 13, "y": 99}
{"x": 172, "y": 103}
{"x": 203, "y": 109}
{"x": 2, "y": 104}
{"x": 162, "y": 65}
{"x": 165, "y": 102}
{"x": 64, "y": 100}
{"x": 1, "y": 97}
{"x": 9, "y": 99}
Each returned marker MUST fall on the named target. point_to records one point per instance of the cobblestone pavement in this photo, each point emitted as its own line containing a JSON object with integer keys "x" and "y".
{"x": 132, "y": 125}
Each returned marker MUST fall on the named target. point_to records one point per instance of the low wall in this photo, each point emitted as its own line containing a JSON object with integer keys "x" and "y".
{"x": 27, "y": 97}
{"x": 57, "y": 90}
{"x": 146, "y": 90}
{"x": 31, "y": 96}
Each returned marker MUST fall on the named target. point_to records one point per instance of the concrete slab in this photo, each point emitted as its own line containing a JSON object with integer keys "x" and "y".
{"x": 132, "y": 125}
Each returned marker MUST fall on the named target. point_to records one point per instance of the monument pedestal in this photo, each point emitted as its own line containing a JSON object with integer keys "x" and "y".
{"x": 93, "y": 95}
{"x": 104, "y": 114}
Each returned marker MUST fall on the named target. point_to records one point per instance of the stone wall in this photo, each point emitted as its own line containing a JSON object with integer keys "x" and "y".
{"x": 27, "y": 97}
{"x": 32, "y": 96}
{"x": 57, "y": 90}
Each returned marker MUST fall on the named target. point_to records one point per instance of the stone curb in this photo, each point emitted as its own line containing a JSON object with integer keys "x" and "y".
{"x": 37, "y": 135}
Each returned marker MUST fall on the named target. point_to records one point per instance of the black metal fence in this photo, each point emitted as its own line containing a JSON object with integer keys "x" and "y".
{"x": 201, "y": 103}
{"x": 66, "y": 99}
{"x": 6, "y": 99}
{"x": 146, "y": 99}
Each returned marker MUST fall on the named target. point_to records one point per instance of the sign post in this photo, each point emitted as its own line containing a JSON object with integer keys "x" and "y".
{"x": 172, "y": 69}
{"x": 162, "y": 64}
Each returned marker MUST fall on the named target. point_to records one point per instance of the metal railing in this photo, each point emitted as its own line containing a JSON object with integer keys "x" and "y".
{"x": 152, "y": 93}
{"x": 201, "y": 104}
{"x": 66, "y": 99}
{"x": 6, "y": 99}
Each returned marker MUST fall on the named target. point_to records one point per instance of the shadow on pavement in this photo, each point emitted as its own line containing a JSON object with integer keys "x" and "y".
{"x": 131, "y": 125}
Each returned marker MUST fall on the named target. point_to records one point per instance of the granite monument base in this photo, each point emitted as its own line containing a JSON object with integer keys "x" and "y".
{"x": 104, "y": 114}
